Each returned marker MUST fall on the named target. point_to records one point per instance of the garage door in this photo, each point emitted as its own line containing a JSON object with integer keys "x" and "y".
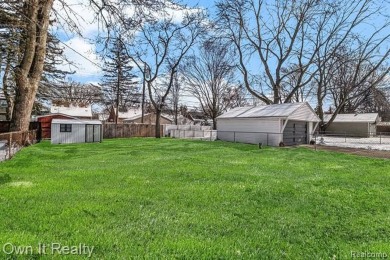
{"x": 295, "y": 133}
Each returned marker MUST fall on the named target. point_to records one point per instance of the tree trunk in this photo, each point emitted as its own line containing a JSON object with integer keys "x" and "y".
{"x": 158, "y": 127}
{"x": 24, "y": 101}
{"x": 276, "y": 91}
{"x": 6, "y": 90}
{"x": 176, "y": 112}
{"x": 214, "y": 123}
{"x": 29, "y": 72}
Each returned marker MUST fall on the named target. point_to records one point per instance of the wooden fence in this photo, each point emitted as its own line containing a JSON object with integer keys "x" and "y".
{"x": 383, "y": 128}
{"x": 124, "y": 130}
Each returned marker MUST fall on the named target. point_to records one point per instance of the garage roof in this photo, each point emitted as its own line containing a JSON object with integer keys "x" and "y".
{"x": 350, "y": 118}
{"x": 276, "y": 110}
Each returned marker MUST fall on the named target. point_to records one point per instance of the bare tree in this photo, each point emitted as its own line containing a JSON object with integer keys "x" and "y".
{"x": 209, "y": 76}
{"x": 291, "y": 41}
{"x": 357, "y": 72}
{"x": 274, "y": 35}
{"x": 159, "y": 49}
{"x": 77, "y": 93}
{"x": 32, "y": 18}
{"x": 175, "y": 97}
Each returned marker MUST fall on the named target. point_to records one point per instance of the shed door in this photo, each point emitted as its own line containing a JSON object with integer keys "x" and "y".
{"x": 92, "y": 133}
{"x": 295, "y": 133}
{"x": 89, "y": 133}
{"x": 96, "y": 133}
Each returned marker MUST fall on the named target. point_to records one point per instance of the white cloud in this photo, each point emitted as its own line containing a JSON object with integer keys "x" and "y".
{"x": 83, "y": 55}
{"x": 81, "y": 13}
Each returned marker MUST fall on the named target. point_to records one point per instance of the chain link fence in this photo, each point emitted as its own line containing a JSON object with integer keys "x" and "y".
{"x": 12, "y": 142}
{"x": 376, "y": 141}
{"x": 264, "y": 138}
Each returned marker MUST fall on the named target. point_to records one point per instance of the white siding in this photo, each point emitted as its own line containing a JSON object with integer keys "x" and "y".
{"x": 250, "y": 130}
{"x": 372, "y": 129}
{"x": 310, "y": 131}
{"x": 76, "y": 136}
{"x": 304, "y": 113}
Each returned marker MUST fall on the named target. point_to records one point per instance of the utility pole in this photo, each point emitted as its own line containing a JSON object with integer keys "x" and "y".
{"x": 145, "y": 73}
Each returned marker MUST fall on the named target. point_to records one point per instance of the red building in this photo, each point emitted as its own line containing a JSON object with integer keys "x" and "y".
{"x": 45, "y": 122}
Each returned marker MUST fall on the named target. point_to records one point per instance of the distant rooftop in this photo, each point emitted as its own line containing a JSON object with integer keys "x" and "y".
{"x": 130, "y": 113}
{"x": 350, "y": 118}
{"x": 75, "y": 111}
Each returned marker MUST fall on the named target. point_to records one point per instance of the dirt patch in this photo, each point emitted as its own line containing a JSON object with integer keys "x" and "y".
{"x": 355, "y": 151}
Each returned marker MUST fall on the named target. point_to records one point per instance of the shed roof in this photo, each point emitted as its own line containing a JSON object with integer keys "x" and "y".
{"x": 275, "y": 110}
{"x": 350, "y": 118}
{"x": 76, "y": 122}
{"x": 62, "y": 116}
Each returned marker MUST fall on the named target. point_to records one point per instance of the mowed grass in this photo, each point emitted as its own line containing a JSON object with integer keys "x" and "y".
{"x": 169, "y": 198}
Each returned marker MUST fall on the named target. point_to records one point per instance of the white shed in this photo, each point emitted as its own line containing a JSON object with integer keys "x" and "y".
{"x": 362, "y": 125}
{"x": 291, "y": 124}
{"x": 76, "y": 131}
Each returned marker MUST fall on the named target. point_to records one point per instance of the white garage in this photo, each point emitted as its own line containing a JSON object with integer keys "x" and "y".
{"x": 359, "y": 125}
{"x": 290, "y": 124}
{"x": 76, "y": 131}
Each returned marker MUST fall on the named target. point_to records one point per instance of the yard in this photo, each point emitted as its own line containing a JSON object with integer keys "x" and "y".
{"x": 194, "y": 199}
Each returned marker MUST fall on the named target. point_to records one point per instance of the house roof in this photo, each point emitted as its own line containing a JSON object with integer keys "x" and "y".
{"x": 132, "y": 112}
{"x": 76, "y": 122}
{"x": 72, "y": 110}
{"x": 275, "y": 110}
{"x": 350, "y": 118}
{"x": 139, "y": 116}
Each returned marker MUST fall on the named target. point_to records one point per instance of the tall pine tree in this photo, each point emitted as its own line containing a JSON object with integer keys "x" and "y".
{"x": 118, "y": 85}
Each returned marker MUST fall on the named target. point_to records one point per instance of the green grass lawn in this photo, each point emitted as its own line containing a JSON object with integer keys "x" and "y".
{"x": 191, "y": 199}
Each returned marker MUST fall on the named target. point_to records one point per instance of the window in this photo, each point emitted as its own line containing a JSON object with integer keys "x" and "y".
{"x": 65, "y": 128}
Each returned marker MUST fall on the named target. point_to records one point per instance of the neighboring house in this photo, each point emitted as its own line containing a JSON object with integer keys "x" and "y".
{"x": 3, "y": 108}
{"x": 290, "y": 124}
{"x": 183, "y": 120}
{"x": 130, "y": 113}
{"x": 197, "y": 117}
{"x": 149, "y": 118}
{"x": 73, "y": 111}
{"x": 76, "y": 131}
{"x": 362, "y": 125}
